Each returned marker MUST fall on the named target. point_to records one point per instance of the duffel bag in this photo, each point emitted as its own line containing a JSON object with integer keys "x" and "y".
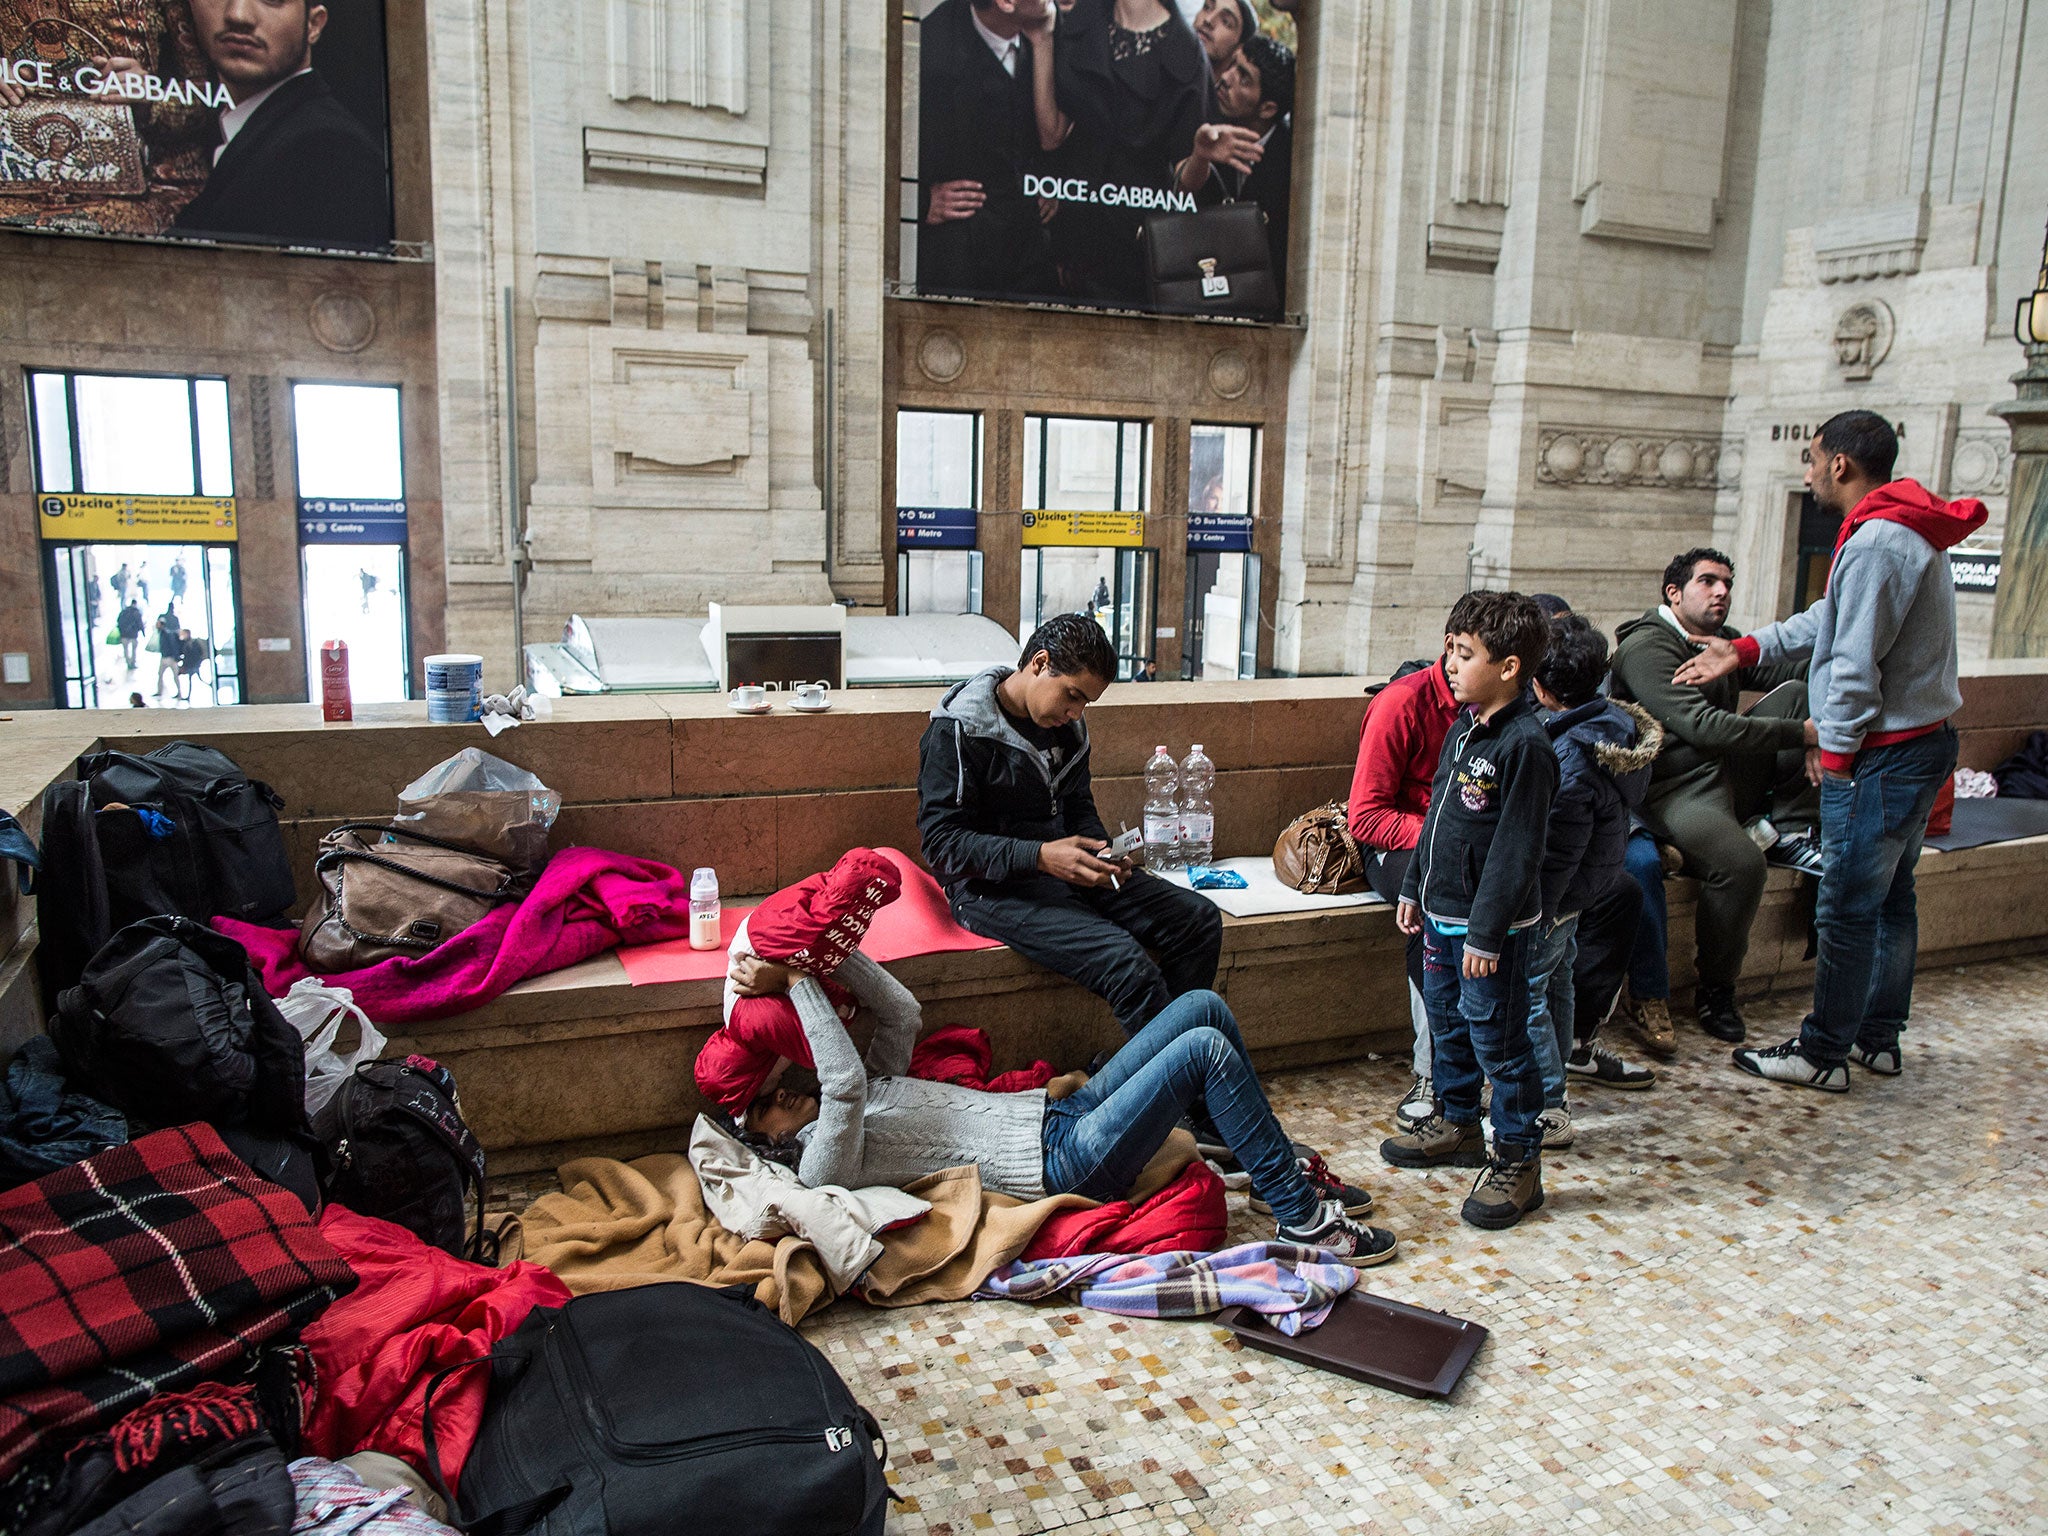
{"x": 386, "y": 891}
{"x": 170, "y": 1024}
{"x": 664, "y": 1408}
{"x": 180, "y": 831}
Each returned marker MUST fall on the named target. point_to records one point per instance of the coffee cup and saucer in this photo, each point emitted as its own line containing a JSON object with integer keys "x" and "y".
{"x": 749, "y": 699}
{"x": 812, "y": 698}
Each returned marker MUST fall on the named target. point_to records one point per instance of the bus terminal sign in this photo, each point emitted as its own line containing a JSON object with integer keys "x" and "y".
{"x": 94, "y": 519}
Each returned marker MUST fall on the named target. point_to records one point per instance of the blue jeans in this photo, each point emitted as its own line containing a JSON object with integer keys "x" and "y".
{"x": 1552, "y": 949}
{"x": 1649, "y": 967}
{"x": 1479, "y": 1030}
{"x": 1871, "y": 824}
{"x": 1097, "y": 1140}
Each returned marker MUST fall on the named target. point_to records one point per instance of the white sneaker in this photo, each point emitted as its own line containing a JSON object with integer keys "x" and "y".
{"x": 1788, "y": 1064}
{"x": 1885, "y": 1063}
{"x": 1557, "y": 1128}
{"x": 1418, "y": 1106}
{"x": 1350, "y": 1242}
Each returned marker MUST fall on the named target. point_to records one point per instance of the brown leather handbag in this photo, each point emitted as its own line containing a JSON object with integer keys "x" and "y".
{"x": 385, "y": 891}
{"x": 1317, "y": 854}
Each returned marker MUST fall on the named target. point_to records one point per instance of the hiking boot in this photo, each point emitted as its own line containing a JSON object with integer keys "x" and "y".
{"x": 1787, "y": 1063}
{"x": 1557, "y": 1128}
{"x": 1885, "y": 1063}
{"x": 1352, "y": 1242}
{"x": 1436, "y": 1143}
{"x": 1356, "y": 1201}
{"x": 1504, "y": 1194}
{"x": 1592, "y": 1062}
{"x": 1649, "y": 1019}
{"x": 1418, "y": 1106}
{"x": 1799, "y": 850}
{"x": 1718, "y": 1014}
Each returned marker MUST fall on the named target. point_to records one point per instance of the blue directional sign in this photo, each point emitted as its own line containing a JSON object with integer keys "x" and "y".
{"x": 1213, "y": 532}
{"x": 935, "y": 527}
{"x": 347, "y": 520}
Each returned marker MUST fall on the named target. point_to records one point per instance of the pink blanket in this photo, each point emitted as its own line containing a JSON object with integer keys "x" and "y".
{"x": 585, "y": 902}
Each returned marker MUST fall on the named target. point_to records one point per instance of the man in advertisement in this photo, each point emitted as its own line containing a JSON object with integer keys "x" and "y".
{"x": 986, "y": 116}
{"x": 293, "y": 164}
{"x": 1249, "y": 155}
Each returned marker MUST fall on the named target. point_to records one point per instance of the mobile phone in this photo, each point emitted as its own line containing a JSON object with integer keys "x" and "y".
{"x": 1126, "y": 843}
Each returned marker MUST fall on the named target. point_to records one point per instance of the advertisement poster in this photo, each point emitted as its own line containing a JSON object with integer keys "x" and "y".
{"x": 1062, "y": 156}
{"x": 260, "y": 121}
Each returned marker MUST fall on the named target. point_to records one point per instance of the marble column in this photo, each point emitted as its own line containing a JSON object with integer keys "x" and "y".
{"x": 2019, "y": 623}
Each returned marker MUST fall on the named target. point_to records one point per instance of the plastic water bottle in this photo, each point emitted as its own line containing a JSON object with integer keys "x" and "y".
{"x": 1162, "y": 812}
{"x": 1197, "y": 812}
{"x": 704, "y": 908}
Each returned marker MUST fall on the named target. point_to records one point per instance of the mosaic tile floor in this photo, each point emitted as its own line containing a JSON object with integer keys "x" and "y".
{"x": 1744, "y": 1307}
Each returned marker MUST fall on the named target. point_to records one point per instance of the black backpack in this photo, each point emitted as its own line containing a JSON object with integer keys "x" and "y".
{"x": 398, "y": 1149}
{"x": 666, "y": 1408}
{"x": 170, "y": 1024}
{"x": 192, "y": 837}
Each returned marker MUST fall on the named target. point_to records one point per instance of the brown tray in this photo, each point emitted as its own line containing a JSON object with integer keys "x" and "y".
{"x": 1375, "y": 1340}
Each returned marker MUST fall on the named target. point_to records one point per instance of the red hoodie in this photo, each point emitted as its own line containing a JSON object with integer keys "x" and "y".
{"x": 1398, "y": 745}
{"x": 1944, "y": 524}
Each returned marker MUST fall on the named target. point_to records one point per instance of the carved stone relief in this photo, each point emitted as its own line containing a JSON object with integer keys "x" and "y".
{"x": 941, "y": 356}
{"x": 1980, "y": 464}
{"x": 1863, "y": 338}
{"x": 342, "y": 321}
{"x": 1230, "y": 373}
{"x": 1589, "y": 456}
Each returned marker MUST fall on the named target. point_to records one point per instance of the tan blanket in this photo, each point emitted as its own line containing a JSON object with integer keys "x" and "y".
{"x": 624, "y": 1224}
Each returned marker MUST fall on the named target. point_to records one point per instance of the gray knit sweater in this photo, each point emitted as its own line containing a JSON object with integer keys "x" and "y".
{"x": 876, "y": 1126}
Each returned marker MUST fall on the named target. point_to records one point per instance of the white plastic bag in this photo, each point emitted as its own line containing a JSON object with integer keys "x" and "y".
{"x": 318, "y": 1012}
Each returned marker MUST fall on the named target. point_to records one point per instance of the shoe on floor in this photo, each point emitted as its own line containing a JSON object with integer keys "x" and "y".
{"x": 1649, "y": 1018}
{"x": 1719, "y": 1016}
{"x": 1798, "y": 850}
{"x": 1591, "y": 1062}
{"x": 1885, "y": 1063}
{"x": 1504, "y": 1194}
{"x": 1356, "y": 1201}
{"x": 1335, "y": 1233}
{"x": 1557, "y": 1128}
{"x": 1787, "y": 1063}
{"x": 1436, "y": 1143}
{"x": 1418, "y": 1106}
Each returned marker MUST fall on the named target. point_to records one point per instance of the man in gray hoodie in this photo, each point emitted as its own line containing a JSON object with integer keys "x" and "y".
{"x": 1882, "y": 689}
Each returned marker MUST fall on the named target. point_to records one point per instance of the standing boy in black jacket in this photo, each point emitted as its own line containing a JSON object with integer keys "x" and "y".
{"x": 1474, "y": 893}
{"x": 1009, "y": 828}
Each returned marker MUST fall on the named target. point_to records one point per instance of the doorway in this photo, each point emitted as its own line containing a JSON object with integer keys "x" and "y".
{"x": 352, "y": 534}
{"x": 180, "y": 645}
{"x": 1085, "y": 490}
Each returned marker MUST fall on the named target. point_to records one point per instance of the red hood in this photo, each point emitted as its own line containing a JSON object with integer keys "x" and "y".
{"x": 1943, "y": 524}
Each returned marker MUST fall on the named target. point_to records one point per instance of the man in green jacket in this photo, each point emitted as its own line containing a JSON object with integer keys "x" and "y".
{"x": 1733, "y": 792}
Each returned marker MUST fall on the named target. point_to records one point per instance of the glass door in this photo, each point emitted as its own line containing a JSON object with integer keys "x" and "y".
{"x": 938, "y": 496}
{"x": 145, "y": 625}
{"x": 352, "y": 533}
{"x": 1221, "y": 618}
{"x": 1085, "y": 493}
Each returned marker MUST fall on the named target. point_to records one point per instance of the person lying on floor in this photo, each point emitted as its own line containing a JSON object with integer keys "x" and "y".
{"x": 870, "y": 1124}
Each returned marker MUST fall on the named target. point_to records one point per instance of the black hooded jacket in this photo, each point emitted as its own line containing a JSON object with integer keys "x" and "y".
{"x": 1479, "y": 862}
{"x": 987, "y": 798}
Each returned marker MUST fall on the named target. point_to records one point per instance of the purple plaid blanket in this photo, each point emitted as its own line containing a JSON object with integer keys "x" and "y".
{"x": 1293, "y": 1286}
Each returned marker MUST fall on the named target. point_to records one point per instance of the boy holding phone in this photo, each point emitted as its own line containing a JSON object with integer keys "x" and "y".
{"x": 1474, "y": 893}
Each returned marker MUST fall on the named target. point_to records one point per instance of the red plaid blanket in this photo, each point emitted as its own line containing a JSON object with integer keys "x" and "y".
{"x": 145, "y": 1269}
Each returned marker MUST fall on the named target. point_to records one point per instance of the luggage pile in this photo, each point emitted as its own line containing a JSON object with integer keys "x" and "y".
{"x": 245, "y": 1280}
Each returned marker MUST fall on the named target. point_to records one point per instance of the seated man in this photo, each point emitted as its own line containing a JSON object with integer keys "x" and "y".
{"x": 1399, "y": 743}
{"x": 1726, "y": 782}
{"x": 1010, "y": 830}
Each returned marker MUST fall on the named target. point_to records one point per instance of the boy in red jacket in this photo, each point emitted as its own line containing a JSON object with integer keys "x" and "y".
{"x": 1398, "y": 746}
